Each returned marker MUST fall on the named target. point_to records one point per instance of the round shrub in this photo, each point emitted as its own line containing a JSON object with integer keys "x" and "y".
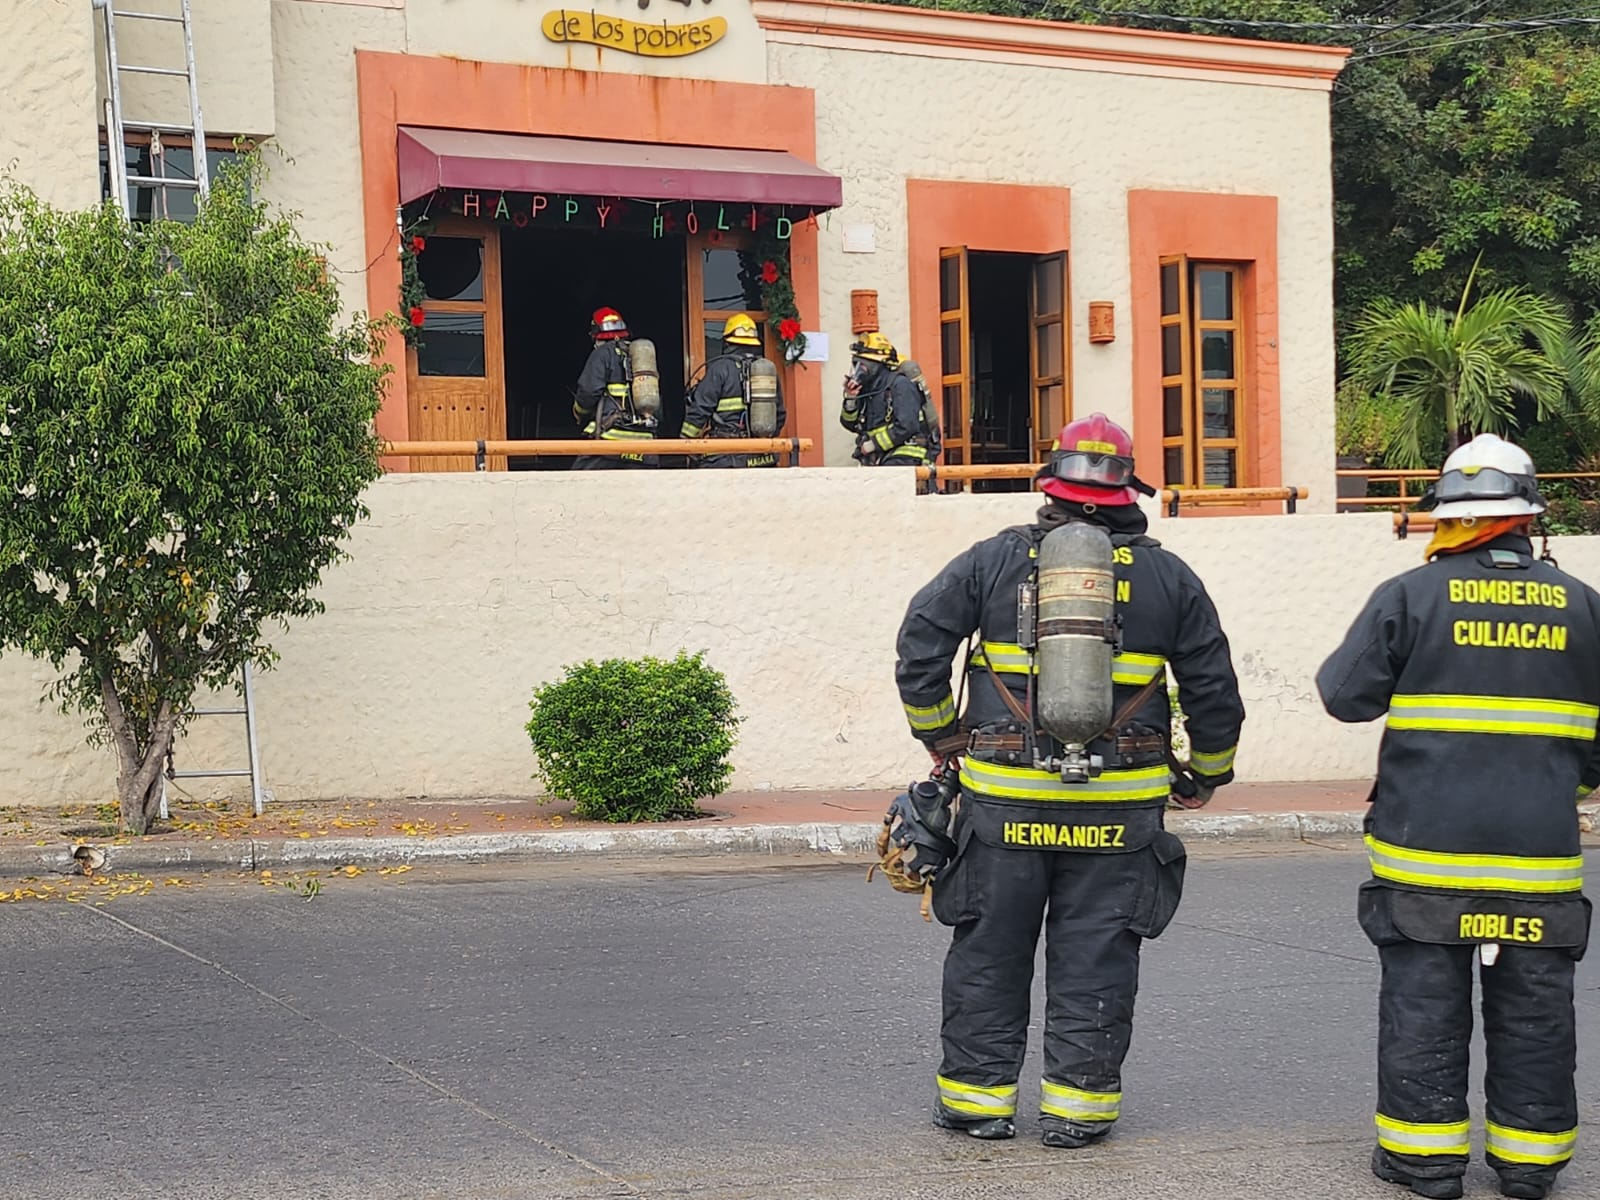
{"x": 635, "y": 739}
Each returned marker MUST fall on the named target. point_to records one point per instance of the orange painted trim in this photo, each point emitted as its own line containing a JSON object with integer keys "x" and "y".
{"x": 982, "y": 34}
{"x": 1004, "y": 217}
{"x": 1220, "y": 228}
{"x": 402, "y": 89}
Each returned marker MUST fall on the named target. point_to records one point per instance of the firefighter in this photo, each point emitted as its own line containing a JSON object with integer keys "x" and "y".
{"x": 883, "y": 408}
{"x": 719, "y": 405}
{"x": 1487, "y": 662}
{"x": 1091, "y": 861}
{"x": 604, "y": 403}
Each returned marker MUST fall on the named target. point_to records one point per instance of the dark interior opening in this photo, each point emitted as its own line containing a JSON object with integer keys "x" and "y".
{"x": 1002, "y": 373}
{"x": 551, "y": 281}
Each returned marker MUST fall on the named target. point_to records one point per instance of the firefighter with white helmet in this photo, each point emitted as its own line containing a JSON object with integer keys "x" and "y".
{"x": 1486, "y": 661}
{"x": 1065, "y": 771}
{"x": 605, "y": 404}
{"x": 739, "y": 396}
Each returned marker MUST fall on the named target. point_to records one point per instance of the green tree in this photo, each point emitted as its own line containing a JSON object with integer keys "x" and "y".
{"x": 187, "y": 434}
{"x": 1450, "y": 375}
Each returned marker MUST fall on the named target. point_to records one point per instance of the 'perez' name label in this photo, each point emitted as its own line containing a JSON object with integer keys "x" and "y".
{"x": 1048, "y": 835}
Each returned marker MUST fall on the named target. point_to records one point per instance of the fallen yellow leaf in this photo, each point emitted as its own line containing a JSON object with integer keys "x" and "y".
{"x": 352, "y": 870}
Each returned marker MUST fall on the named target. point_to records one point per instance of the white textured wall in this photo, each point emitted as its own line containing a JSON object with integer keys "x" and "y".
{"x": 1100, "y": 134}
{"x": 48, "y": 121}
{"x": 465, "y": 591}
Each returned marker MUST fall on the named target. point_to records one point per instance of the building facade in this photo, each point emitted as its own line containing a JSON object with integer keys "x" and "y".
{"x": 1054, "y": 218}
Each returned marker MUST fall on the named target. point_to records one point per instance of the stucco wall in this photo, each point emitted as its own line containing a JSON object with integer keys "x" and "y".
{"x": 1100, "y": 134}
{"x": 466, "y": 591}
{"x": 48, "y": 121}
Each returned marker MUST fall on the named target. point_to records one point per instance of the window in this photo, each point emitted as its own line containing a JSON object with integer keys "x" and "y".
{"x": 724, "y": 281}
{"x": 168, "y": 157}
{"x": 1202, "y": 376}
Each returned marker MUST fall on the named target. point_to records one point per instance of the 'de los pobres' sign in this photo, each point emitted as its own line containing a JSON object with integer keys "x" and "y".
{"x": 632, "y": 37}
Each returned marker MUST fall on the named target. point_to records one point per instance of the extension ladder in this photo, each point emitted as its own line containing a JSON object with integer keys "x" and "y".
{"x": 118, "y": 124}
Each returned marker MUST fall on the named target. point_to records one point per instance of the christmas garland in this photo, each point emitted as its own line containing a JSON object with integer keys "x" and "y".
{"x": 413, "y": 241}
{"x": 777, "y": 292}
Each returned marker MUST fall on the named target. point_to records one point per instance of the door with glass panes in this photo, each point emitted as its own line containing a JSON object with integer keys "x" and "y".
{"x": 1204, "y": 436}
{"x": 456, "y": 374}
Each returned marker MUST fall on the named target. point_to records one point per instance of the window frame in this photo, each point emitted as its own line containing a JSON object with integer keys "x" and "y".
{"x": 1191, "y": 439}
{"x": 236, "y": 144}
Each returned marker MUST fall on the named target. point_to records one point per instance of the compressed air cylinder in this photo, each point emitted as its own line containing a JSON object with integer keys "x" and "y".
{"x": 763, "y": 398}
{"x": 646, "y": 378}
{"x": 1077, "y": 607}
{"x": 913, "y": 372}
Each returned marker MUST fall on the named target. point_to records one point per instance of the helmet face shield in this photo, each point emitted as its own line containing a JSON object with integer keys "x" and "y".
{"x": 1482, "y": 483}
{"x": 1097, "y": 470}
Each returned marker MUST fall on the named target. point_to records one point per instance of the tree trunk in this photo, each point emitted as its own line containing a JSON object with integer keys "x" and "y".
{"x": 138, "y": 768}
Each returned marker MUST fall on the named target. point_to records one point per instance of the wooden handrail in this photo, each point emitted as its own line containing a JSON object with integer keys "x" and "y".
{"x": 571, "y": 447}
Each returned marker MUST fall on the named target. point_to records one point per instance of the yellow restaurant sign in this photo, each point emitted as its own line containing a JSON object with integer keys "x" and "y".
{"x": 633, "y": 37}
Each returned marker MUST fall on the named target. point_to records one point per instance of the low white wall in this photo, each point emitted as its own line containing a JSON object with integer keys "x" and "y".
{"x": 465, "y": 591}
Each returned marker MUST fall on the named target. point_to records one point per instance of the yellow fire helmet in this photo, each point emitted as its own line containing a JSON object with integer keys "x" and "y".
{"x": 875, "y": 347}
{"x": 741, "y": 330}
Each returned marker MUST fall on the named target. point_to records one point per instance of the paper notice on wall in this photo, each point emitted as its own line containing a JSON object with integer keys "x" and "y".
{"x": 816, "y": 348}
{"x": 860, "y": 239}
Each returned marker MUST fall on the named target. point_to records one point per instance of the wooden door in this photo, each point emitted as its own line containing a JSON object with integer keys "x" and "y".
{"x": 1050, "y": 353}
{"x": 456, "y": 378}
{"x": 955, "y": 354}
{"x": 723, "y": 281}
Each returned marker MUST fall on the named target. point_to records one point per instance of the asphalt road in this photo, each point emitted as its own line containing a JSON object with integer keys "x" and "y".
{"x": 712, "y": 1029}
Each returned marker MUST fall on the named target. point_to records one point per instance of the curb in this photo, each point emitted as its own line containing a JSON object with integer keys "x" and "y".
{"x": 831, "y": 839}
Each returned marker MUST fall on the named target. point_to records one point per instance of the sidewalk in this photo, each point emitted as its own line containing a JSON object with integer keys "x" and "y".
{"x": 842, "y": 824}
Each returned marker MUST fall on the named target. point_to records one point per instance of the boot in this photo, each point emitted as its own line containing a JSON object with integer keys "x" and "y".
{"x": 1059, "y": 1135}
{"x": 1447, "y": 1188}
{"x": 1524, "y": 1189}
{"x": 991, "y": 1129}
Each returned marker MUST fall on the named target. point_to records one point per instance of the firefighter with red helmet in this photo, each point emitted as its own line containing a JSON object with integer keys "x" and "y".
{"x": 1067, "y": 837}
{"x": 1485, "y": 664}
{"x": 603, "y": 406}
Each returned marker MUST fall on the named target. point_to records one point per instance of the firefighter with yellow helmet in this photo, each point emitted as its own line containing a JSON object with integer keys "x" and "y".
{"x": 739, "y": 396}
{"x": 608, "y": 404}
{"x": 887, "y": 407}
{"x": 1485, "y": 663}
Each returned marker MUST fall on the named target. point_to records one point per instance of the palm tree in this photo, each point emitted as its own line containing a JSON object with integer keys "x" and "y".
{"x": 1453, "y": 375}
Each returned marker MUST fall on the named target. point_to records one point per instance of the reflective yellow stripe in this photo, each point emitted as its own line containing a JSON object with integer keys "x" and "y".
{"x": 909, "y": 451}
{"x": 932, "y": 716}
{"x": 1074, "y": 1104}
{"x": 730, "y": 404}
{"x": 1213, "y": 763}
{"x": 1025, "y": 783}
{"x": 1474, "y": 872}
{"x": 1008, "y": 658}
{"x": 975, "y": 1100}
{"x": 1405, "y": 1137}
{"x": 1494, "y": 714}
{"x": 1137, "y": 669}
{"x": 625, "y": 435}
{"x": 1583, "y": 790}
{"x": 616, "y": 389}
{"x": 1525, "y": 1146}
{"x": 692, "y": 431}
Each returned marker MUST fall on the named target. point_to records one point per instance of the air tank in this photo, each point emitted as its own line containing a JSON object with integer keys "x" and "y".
{"x": 646, "y": 378}
{"x": 763, "y": 398}
{"x": 930, "y": 414}
{"x": 1076, "y": 634}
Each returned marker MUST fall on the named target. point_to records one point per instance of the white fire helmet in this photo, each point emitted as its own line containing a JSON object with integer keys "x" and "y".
{"x": 1488, "y": 477}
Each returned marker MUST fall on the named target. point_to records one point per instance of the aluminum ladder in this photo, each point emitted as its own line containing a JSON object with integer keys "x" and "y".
{"x": 253, "y": 771}
{"x": 118, "y": 124}
{"x": 117, "y": 127}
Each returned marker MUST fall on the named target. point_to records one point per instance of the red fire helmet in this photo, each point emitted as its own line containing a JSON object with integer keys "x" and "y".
{"x": 1091, "y": 462}
{"x": 607, "y": 323}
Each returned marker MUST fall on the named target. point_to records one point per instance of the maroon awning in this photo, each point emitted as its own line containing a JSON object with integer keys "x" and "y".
{"x": 512, "y": 162}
